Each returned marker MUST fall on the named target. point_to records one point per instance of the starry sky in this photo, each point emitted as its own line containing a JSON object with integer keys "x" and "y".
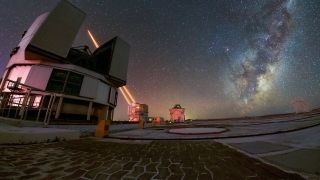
{"x": 216, "y": 58}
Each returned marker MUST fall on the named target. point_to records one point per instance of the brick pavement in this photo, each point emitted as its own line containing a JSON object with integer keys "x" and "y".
{"x": 92, "y": 159}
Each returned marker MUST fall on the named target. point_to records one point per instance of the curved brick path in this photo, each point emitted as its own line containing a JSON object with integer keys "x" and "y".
{"x": 93, "y": 159}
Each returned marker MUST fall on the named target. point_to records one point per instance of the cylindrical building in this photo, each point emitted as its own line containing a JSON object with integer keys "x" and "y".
{"x": 177, "y": 113}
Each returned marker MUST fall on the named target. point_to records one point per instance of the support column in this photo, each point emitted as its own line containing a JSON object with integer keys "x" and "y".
{"x": 141, "y": 122}
{"x": 102, "y": 129}
{"x": 89, "y": 111}
{"x": 40, "y": 107}
{"x": 24, "y": 104}
{"x": 58, "y": 108}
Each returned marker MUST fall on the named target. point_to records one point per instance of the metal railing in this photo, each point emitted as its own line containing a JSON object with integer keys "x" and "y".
{"x": 23, "y": 102}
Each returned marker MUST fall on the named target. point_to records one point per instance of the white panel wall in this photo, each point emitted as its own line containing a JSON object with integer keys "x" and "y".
{"x": 57, "y": 32}
{"x": 89, "y": 87}
{"x": 16, "y": 72}
{"x": 39, "y": 77}
{"x": 102, "y": 93}
{"x": 119, "y": 63}
{"x": 19, "y": 71}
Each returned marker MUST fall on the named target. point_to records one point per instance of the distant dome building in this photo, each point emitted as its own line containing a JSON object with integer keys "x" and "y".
{"x": 157, "y": 120}
{"x": 177, "y": 113}
{"x": 300, "y": 105}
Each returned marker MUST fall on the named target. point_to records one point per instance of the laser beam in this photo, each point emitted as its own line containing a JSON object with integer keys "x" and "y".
{"x": 129, "y": 94}
{"x": 96, "y": 44}
{"x": 125, "y": 96}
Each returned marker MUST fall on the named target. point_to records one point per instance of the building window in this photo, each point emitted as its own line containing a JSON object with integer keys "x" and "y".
{"x": 65, "y": 82}
{"x": 57, "y": 80}
{"x": 73, "y": 84}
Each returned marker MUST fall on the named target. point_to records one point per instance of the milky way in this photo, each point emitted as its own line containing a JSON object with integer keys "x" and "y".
{"x": 268, "y": 31}
{"x": 217, "y": 58}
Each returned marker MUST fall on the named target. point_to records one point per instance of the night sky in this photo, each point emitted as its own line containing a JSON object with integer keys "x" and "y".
{"x": 217, "y": 59}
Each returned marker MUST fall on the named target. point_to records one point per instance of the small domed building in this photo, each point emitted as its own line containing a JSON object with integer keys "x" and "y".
{"x": 177, "y": 113}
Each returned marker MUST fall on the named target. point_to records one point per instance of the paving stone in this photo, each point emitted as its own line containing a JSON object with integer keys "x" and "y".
{"x": 199, "y": 167}
{"x": 152, "y": 167}
{"x": 102, "y": 177}
{"x": 163, "y": 173}
{"x": 129, "y": 165}
{"x": 175, "y": 169}
{"x": 42, "y": 159}
{"x": 164, "y": 163}
{"x": 93, "y": 165}
{"x": 190, "y": 177}
{"x": 31, "y": 170}
{"x": 78, "y": 173}
{"x": 77, "y": 162}
{"x": 155, "y": 158}
{"x": 89, "y": 161}
{"x": 27, "y": 159}
{"x": 106, "y": 158}
{"x": 53, "y": 176}
{"x": 21, "y": 163}
{"x": 162, "y": 159}
{"x": 187, "y": 163}
{"x": 146, "y": 176}
{"x": 138, "y": 170}
{"x": 72, "y": 169}
{"x": 7, "y": 174}
{"x": 108, "y": 163}
{"x": 40, "y": 163}
{"x": 128, "y": 178}
{"x": 118, "y": 175}
{"x": 92, "y": 173}
{"x": 189, "y": 173}
{"x": 175, "y": 177}
{"x": 204, "y": 176}
{"x": 143, "y": 162}
{"x": 176, "y": 159}
{"x": 115, "y": 167}
{"x": 59, "y": 163}
{"x": 31, "y": 176}
{"x": 55, "y": 169}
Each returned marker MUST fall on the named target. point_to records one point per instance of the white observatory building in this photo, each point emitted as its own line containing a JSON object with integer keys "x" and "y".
{"x": 46, "y": 79}
{"x": 177, "y": 114}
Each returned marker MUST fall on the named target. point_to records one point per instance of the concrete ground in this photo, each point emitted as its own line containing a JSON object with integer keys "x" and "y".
{"x": 236, "y": 128}
{"x": 297, "y": 151}
{"x": 25, "y": 135}
{"x": 90, "y": 158}
{"x": 14, "y": 131}
{"x": 250, "y": 146}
